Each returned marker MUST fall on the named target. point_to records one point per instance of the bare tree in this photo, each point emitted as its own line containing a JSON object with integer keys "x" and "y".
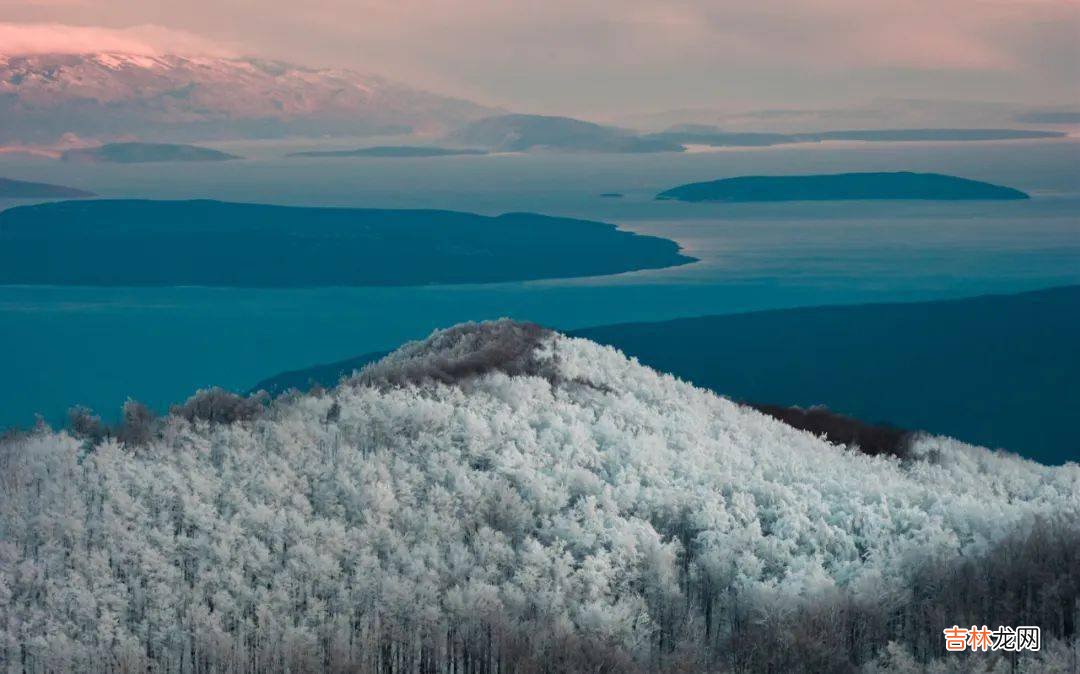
{"x": 219, "y": 406}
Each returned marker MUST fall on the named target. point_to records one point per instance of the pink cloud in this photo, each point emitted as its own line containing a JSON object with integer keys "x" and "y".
{"x": 928, "y": 48}
{"x": 610, "y": 52}
{"x": 55, "y": 38}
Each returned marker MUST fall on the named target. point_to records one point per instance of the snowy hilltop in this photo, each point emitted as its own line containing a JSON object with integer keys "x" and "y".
{"x": 500, "y": 497}
{"x": 177, "y": 97}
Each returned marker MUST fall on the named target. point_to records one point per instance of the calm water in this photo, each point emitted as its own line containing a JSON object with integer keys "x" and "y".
{"x": 99, "y": 346}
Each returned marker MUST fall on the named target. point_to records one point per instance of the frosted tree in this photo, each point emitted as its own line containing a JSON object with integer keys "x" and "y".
{"x": 501, "y": 498}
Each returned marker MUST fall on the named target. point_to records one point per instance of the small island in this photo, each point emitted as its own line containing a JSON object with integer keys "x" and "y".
{"x": 21, "y": 189}
{"x": 840, "y": 187}
{"x": 924, "y": 135}
{"x": 611, "y": 195}
{"x": 130, "y": 242}
{"x": 139, "y": 153}
{"x": 384, "y": 151}
{"x": 700, "y": 134}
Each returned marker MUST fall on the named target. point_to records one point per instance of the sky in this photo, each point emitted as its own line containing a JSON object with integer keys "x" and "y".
{"x": 606, "y": 58}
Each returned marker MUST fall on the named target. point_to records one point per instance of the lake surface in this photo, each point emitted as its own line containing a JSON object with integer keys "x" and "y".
{"x": 98, "y": 346}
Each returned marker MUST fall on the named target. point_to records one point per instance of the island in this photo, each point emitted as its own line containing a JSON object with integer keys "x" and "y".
{"x": 916, "y": 135}
{"x": 384, "y": 151}
{"x": 701, "y": 134}
{"x": 213, "y": 243}
{"x": 712, "y": 136}
{"x": 22, "y": 189}
{"x": 139, "y": 153}
{"x": 526, "y": 133}
{"x": 611, "y": 195}
{"x": 841, "y": 186}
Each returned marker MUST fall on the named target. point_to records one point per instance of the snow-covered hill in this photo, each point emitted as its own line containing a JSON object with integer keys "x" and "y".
{"x": 503, "y": 498}
{"x": 107, "y": 95}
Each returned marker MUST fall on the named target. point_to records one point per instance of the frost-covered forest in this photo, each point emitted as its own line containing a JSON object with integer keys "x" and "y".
{"x": 500, "y": 498}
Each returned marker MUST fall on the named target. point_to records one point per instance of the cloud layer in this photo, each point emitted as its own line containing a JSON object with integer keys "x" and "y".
{"x": 147, "y": 40}
{"x": 610, "y": 55}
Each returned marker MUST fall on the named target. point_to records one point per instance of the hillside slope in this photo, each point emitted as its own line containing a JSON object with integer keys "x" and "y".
{"x": 1003, "y": 367}
{"x": 500, "y": 497}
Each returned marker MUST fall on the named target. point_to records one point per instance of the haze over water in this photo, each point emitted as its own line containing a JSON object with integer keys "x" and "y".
{"x": 99, "y": 346}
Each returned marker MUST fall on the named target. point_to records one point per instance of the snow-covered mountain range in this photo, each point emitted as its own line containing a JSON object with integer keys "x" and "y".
{"x": 503, "y": 498}
{"x": 169, "y": 97}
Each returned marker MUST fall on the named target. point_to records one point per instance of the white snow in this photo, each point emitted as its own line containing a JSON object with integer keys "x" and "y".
{"x": 563, "y": 496}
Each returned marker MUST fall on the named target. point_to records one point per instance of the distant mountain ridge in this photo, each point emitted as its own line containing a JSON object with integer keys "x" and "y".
{"x": 522, "y": 133}
{"x": 392, "y": 151}
{"x": 171, "y": 97}
{"x": 113, "y": 95}
{"x": 701, "y": 134}
{"x": 22, "y": 189}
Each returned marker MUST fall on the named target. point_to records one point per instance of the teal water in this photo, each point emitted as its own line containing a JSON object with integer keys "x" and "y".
{"x": 99, "y": 346}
